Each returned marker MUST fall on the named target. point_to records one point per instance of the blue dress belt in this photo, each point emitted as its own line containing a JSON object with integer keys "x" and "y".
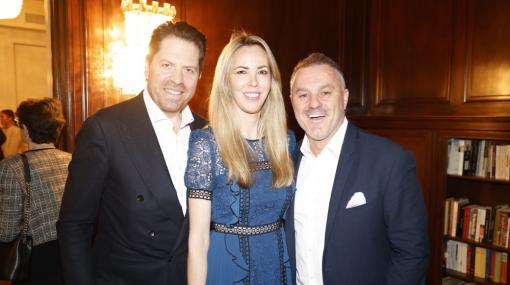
{"x": 246, "y": 230}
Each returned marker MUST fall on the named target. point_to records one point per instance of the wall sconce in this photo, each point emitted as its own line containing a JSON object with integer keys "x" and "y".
{"x": 10, "y": 8}
{"x": 128, "y": 53}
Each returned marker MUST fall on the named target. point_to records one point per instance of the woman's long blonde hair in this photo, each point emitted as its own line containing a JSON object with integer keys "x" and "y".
{"x": 272, "y": 125}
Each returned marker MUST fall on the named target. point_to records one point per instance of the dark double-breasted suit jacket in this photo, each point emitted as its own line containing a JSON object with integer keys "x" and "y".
{"x": 120, "y": 191}
{"x": 383, "y": 241}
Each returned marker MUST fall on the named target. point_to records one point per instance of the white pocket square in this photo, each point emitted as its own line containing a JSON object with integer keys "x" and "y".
{"x": 356, "y": 200}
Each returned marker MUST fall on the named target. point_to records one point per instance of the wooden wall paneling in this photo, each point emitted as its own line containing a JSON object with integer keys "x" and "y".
{"x": 113, "y": 20}
{"x": 488, "y": 58}
{"x": 307, "y": 28}
{"x": 480, "y": 86}
{"x": 180, "y": 7}
{"x": 439, "y": 58}
{"x": 77, "y": 64}
{"x": 217, "y": 20}
{"x": 104, "y": 17}
{"x": 293, "y": 29}
{"x": 437, "y": 208}
{"x": 95, "y": 31}
{"x": 353, "y": 52}
{"x": 436, "y": 123}
{"x": 59, "y": 67}
{"x": 410, "y": 63}
{"x": 68, "y": 62}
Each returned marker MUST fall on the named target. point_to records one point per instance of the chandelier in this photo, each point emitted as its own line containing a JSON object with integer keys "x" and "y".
{"x": 10, "y": 8}
{"x": 129, "y": 50}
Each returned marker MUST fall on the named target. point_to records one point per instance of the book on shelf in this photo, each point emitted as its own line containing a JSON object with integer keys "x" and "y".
{"x": 455, "y": 214}
{"x": 496, "y": 271}
{"x": 480, "y": 262}
{"x": 455, "y": 156}
{"x": 476, "y": 223}
{"x": 504, "y": 266}
{"x": 502, "y": 167}
{"x": 479, "y": 158}
{"x": 479, "y": 224}
{"x": 501, "y": 227}
{"x": 467, "y": 158}
{"x": 476, "y": 261}
{"x": 447, "y": 207}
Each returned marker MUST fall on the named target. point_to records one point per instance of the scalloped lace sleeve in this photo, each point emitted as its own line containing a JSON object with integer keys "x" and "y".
{"x": 198, "y": 174}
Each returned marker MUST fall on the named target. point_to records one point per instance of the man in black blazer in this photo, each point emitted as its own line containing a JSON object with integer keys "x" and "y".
{"x": 123, "y": 216}
{"x": 358, "y": 216}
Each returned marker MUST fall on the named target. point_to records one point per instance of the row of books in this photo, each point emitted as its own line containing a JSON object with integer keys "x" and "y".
{"x": 477, "y": 261}
{"x": 480, "y": 158}
{"x": 482, "y": 224}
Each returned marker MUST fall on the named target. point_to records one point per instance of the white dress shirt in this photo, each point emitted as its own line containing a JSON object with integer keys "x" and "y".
{"x": 173, "y": 145}
{"x": 314, "y": 184}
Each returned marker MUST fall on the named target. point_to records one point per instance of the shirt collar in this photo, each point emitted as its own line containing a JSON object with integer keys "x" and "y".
{"x": 156, "y": 115}
{"x": 334, "y": 146}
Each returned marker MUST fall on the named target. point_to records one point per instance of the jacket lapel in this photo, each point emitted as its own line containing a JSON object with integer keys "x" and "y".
{"x": 340, "y": 192}
{"x": 140, "y": 141}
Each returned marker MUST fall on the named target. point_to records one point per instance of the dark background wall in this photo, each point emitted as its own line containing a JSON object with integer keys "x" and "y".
{"x": 418, "y": 72}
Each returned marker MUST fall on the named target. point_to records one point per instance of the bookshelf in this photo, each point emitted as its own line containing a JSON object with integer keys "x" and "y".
{"x": 471, "y": 252}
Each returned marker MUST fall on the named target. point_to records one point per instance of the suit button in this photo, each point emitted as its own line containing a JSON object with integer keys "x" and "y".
{"x": 139, "y": 198}
{"x": 152, "y": 234}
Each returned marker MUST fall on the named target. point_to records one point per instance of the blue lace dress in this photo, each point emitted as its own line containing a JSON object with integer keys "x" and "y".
{"x": 250, "y": 257}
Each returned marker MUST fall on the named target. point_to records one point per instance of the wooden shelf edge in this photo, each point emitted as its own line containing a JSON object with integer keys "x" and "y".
{"x": 475, "y": 178}
{"x": 469, "y": 278}
{"x": 489, "y": 246}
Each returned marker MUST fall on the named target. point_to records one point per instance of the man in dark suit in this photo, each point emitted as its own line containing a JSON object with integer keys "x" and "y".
{"x": 126, "y": 178}
{"x": 358, "y": 216}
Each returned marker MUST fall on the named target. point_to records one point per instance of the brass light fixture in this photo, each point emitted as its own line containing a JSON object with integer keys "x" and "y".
{"x": 128, "y": 50}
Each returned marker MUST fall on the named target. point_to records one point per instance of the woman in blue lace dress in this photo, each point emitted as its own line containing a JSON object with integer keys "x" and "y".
{"x": 240, "y": 173}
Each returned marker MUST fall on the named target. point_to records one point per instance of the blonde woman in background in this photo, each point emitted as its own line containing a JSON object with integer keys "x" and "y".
{"x": 240, "y": 173}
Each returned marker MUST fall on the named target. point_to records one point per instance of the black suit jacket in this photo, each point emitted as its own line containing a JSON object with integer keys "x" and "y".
{"x": 385, "y": 240}
{"x": 119, "y": 179}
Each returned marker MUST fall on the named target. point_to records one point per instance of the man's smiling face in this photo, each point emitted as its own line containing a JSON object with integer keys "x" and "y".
{"x": 319, "y": 100}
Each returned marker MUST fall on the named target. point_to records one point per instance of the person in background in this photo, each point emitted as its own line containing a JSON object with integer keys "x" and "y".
{"x": 358, "y": 216}
{"x": 13, "y": 143}
{"x": 127, "y": 174}
{"x": 240, "y": 173}
{"x": 2, "y": 140}
{"x": 42, "y": 121}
